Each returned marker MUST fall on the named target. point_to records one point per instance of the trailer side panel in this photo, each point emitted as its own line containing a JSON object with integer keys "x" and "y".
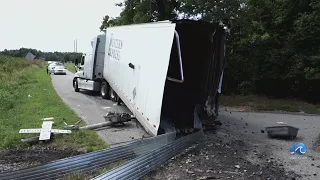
{"x": 136, "y": 64}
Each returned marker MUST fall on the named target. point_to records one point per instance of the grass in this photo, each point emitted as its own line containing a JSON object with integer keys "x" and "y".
{"x": 19, "y": 79}
{"x": 70, "y": 67}
{"x": 253, "y": 102}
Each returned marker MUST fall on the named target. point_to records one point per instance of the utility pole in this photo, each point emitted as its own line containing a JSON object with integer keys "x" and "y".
{"x": 75, "y": 45}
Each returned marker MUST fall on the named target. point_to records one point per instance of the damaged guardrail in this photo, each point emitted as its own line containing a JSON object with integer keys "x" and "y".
{"x": 91, "y": 161}
{"x": 140, "y": 166}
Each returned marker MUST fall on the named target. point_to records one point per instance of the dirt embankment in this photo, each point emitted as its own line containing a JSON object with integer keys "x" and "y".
{"x": 20, "y": 158}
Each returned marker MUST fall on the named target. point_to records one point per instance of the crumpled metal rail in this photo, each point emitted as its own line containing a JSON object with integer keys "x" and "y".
{"x": 140, "y": 166}
{"x": 90, "y": 161}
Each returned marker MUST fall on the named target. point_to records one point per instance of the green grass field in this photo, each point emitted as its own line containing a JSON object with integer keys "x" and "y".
{"x": 70, "y": 67}
{"x": 253, "y": 102}
{"x": 19, "y": 79}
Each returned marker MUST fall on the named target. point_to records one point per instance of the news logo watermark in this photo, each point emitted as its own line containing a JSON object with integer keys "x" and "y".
{"x": 300, "y": 149}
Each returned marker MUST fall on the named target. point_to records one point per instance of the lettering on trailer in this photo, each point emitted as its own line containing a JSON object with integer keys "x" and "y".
{"x": 114, "y": 48}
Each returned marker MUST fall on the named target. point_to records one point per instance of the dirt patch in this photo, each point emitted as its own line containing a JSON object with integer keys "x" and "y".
{"x": 20, "y": 158}
{"x": 219, "y": 156}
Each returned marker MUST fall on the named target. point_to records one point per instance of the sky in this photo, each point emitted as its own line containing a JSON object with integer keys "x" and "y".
{"x": 52, "y": 25}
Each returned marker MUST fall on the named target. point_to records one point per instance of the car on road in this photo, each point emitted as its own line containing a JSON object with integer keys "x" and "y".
{"x": 59, "y": 69}
{"x": 56, "y": 68}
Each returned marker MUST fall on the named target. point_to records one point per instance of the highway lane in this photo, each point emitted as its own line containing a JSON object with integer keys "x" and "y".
{"x": 91, "y": 108}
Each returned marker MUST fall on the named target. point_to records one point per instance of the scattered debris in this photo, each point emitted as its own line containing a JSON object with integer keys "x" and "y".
{"x": 45, "y": 132}
{"x": 111, "y": 120}
{"x": 48, "y": 119}
{"x": 189, "y": 172}
{"x": 118, "y": 118}
{"x": 282, "y": 132}
{"x": 75, "y": 126}
{"x": 203, "y": 177}
{"x": 199, "y": 170}
{"x": 29, "y": 96}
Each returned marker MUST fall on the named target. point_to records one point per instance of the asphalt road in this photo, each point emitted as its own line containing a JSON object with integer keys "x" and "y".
{"x": 248, "y": 126}
{"x": 91, "y": 108}
{"x": 240, "y": 150}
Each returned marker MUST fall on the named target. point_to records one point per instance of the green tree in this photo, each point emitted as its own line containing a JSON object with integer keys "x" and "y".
{"x": 274, "y": 46}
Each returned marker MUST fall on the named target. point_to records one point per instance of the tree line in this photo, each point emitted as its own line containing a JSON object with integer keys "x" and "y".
{"x": 48, "y": 56}
{"x": 273, "y": 48}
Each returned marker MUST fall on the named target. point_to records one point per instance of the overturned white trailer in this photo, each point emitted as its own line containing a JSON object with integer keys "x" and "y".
{"x": 161, "y": 71}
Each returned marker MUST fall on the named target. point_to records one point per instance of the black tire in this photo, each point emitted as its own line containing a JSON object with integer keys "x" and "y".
{"x": 113, "y": 95}
{"x": 75, "y": 85}
{"x": 119, "y": 101}
{"x": 104, "y": 91}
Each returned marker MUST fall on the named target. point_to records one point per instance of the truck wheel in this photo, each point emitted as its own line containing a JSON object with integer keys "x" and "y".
{"x": 75, "y": 85}
{"x": 113, "y": 95}
{"x": 104, "y": 91}
{"x": 119, "y": 101}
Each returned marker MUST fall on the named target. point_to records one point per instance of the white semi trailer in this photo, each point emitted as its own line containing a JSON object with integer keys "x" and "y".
{"x": 166, "y": 70}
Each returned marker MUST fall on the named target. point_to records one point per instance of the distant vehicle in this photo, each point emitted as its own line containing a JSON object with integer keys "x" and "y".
{"x": 59, "y": 69}
{"x": 56, "y": 68}
{"x": 163, "y": 71}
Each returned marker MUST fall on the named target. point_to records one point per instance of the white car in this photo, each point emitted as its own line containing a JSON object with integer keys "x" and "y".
{"x": 59, "y": 69}
{"x": 56, "y": 68}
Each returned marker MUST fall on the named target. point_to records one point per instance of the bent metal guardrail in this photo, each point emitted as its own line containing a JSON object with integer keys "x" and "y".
{"x": 148, "y": 153}
{"x": 140, "y": 166}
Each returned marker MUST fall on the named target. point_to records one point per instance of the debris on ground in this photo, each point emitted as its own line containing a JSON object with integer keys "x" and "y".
{"x": 282, "y": 132}
{"x": 48, "y": 119}
{"x": 45, "y": 132}
{"x": 223, "y": 163}
{"x": 111, "y": 118}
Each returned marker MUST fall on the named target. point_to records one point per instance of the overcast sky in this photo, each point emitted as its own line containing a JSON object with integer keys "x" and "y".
{"x": 52, "y": 25}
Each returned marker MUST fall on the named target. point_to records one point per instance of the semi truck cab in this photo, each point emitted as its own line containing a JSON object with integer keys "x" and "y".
{"x": 91, "y": 65}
